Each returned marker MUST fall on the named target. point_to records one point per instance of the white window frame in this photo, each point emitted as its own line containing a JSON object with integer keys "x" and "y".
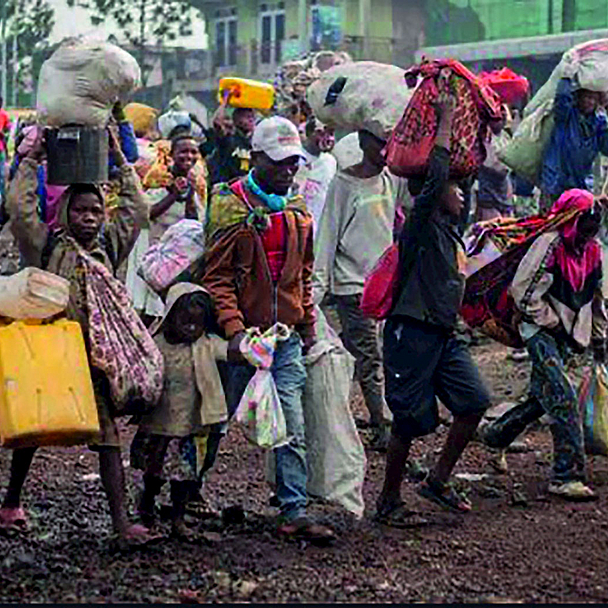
{"x": 273, "y": 13}
{"x": 227, "y": 20}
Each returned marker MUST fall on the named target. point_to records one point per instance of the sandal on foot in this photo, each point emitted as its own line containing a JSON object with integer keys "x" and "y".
{"x": 444, "y": 496}
{"x": 303, "y": 528}
{"x": 575, "y": 491}
{"x": 12, "y": 518}
{"x": 396, "y": 515}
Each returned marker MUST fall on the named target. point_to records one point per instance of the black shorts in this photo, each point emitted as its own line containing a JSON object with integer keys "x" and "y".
{"x": 422, "y": 363}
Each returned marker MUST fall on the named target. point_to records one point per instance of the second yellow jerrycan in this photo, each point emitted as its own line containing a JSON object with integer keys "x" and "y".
{"x": 247, "y": 93}
{"x": 46, "y": 392}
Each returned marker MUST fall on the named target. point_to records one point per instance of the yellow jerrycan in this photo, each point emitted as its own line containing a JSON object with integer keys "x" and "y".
{"x": 247, "y": 93}
{"x": 46, "y": 392}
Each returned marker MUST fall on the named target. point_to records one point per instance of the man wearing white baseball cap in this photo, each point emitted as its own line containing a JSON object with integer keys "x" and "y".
{"x": 258, "y": 268}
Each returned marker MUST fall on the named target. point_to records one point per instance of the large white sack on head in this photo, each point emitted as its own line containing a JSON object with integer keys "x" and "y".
{"x": 82, "y": 80}
{"x": 374, "y": 97}
{"x": 177, "y": 118}
{"x": 592, "y": 72}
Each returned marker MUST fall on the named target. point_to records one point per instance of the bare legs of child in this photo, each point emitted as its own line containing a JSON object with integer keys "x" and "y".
{"x": 390, "y": 505}
{"x": 112, "y": 477}
{"x": 11, "y": 513}
{"x": 180, "y": 494}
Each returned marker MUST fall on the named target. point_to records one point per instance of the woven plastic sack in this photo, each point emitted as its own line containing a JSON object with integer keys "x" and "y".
{"x": 334, "y": 452}
{"x": 379, "y": 286}
{"x": 412, "y": 141}
{"x": 592, "y": 73}
{"x": 82, "y": 80}
{"x": 360, "y": 95}
{"x": 259, "y": 412}
{"x": 120, "y": 345}
{"x": 182, "y": 245}
{"x": 524, "y": 152}
{"x": 593, "y": 404}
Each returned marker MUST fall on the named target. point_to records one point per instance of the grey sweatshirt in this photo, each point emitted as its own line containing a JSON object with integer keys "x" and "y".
{"x": 354, "y": 230}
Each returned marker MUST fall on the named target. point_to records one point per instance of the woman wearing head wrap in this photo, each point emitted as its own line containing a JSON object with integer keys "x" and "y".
{"x": 557, "y": 291}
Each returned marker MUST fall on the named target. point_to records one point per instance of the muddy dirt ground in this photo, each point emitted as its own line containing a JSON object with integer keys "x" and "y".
{"x": 536, "y": 550}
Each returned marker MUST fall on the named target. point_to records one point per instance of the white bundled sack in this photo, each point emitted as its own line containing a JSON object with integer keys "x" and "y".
{"x": 33, "y": 294}
{"x": 182, "y": 245}
{"x": 81, "y": 82}
{"x": 335, "y": 455}
{"x": 591, "y": 59}
{"x": 524, "y": 152}
{"x": 360, "y": 95}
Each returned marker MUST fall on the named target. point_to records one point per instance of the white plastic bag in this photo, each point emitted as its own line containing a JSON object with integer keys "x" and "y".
{"x": 181, "y": 245}
{"x": 82, "y": 80}
{"x": 374, "y": 97}
{"x": 335, "y": 455}
{"x": 33, "y": 294}
{"x": 259, "y": 412}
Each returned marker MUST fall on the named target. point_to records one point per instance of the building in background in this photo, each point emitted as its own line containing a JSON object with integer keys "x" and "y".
{"x": 250, "y": 38}
{"x": 528, "y": 35}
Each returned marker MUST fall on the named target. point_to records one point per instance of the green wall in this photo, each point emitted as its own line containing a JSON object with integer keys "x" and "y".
{"x": 460, "y": 21}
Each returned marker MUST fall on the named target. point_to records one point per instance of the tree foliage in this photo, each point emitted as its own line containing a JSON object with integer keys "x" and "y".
{"x": 142, "y": 22}
{"x": 32, "y": 22}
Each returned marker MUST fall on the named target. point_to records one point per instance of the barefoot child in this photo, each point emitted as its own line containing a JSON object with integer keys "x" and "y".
{"x": 192, "y": 405}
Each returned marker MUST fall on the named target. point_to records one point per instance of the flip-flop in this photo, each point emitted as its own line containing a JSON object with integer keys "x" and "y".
{"x": 13, "y": 519}
{"x": 398, "y": 516}
{"x": 444, "y": 496}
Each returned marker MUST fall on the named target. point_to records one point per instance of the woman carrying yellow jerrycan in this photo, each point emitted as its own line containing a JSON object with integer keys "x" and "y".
{"x": 78, "y": 247}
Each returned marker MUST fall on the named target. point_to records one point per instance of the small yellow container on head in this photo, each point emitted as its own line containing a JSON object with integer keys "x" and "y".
{"x": 247, "y": 93}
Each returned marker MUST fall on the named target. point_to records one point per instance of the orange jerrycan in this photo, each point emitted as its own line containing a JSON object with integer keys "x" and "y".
{"x": 247, "y": 93}
{"x": 46, "y": 392}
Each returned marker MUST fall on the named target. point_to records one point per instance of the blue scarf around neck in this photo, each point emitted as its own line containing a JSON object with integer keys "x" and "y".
{"x": 275, "y": 202}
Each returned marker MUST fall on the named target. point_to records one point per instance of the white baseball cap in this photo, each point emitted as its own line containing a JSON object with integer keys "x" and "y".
{"x": 278, "y": 138}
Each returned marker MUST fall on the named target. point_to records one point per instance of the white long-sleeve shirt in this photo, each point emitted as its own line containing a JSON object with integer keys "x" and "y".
{"x": 355, "y": 228}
